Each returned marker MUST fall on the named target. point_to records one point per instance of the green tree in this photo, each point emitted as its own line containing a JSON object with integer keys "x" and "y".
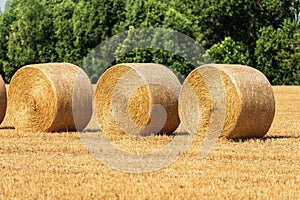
{"x": 135, "y": 14}
{"x": 274, "y": 12}
{"x": 62, "y": 13}
{"x": 6, "y": 19}
{"x": 277, "y": 52}
{"x": 94, "y": 21}
{"x": 156, "y": 13}
{"x": 31, "y": 37}
{"x": 230, "y": 52}
{"x": 56, "y": 30}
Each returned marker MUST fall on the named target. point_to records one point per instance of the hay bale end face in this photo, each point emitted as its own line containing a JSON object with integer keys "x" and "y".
{"x": 50, "y": 97}
{"x": 3, "y": 99}
{"x": 137, "y": 99}
{"x": 249, "y": 101}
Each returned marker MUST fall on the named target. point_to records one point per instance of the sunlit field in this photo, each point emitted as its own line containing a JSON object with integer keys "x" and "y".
{"x": 58, "y": 166}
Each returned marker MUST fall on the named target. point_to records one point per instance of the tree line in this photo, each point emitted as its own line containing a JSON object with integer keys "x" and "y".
{"x": 264, "y": 34}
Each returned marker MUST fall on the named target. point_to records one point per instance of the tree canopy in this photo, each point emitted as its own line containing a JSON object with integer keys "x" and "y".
{"x": 264, "y": 34}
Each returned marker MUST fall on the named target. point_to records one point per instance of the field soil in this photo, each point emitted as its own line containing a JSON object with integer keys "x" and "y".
{"x": 59, "y": 166}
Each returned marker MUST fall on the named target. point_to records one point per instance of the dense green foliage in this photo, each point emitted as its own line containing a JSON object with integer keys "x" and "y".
{"x": 261, "y": 33}
{"x": 278, "y": 53}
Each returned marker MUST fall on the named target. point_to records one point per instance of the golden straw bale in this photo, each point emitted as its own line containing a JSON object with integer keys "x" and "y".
{"x": 50, "y": 97}
{"x": 249, "y": 101}
{"x": 138, "y": 99}
{"x": 3, "y": 99}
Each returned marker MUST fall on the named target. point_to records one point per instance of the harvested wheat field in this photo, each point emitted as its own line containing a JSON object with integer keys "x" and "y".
{"x": 57, "y": 165}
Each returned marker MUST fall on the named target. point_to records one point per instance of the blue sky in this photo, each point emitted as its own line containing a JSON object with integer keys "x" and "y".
{"x": 2, "y": 3}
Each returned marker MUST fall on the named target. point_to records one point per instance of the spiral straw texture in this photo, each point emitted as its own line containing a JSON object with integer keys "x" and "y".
{"x": 138, "y": 99}
{"x": 250, "y": 104}
{"x": 50, "y": 97}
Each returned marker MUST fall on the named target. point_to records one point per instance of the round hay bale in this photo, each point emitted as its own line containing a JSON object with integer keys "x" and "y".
{"x": 137, "y": 99}
{"x": 50, "y": 97}
{"x": 249, "y": 101}
{"x": 3, "y": 99}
